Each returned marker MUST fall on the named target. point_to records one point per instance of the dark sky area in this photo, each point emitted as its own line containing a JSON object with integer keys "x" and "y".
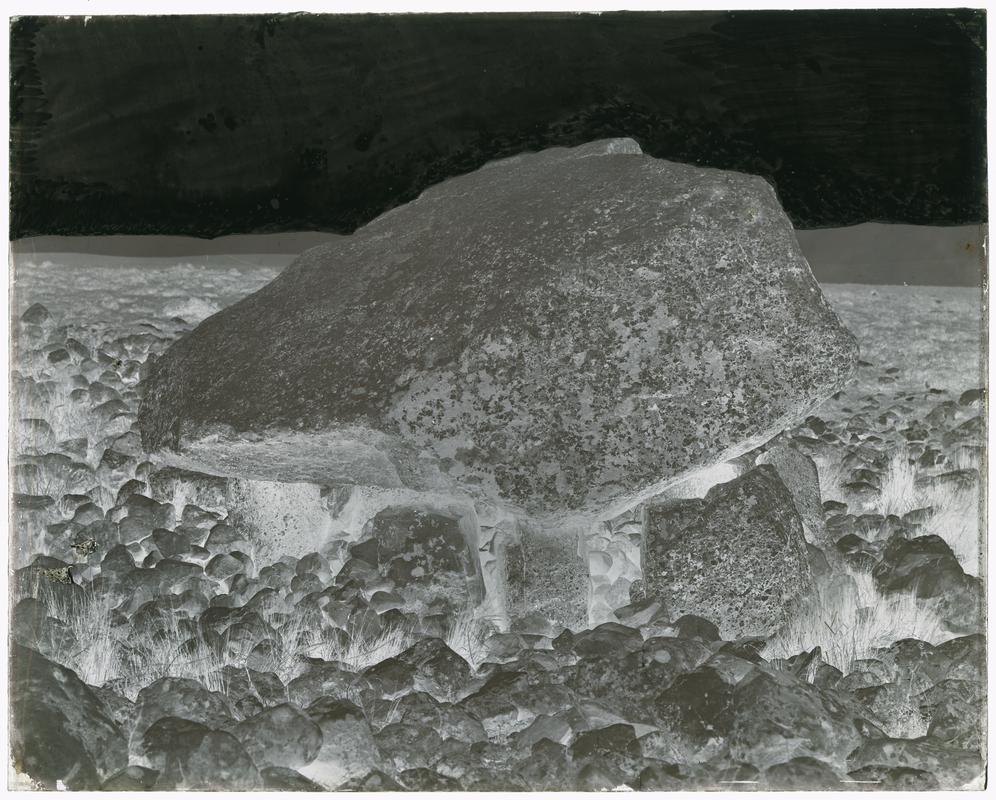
{"x": 205, "y": 126}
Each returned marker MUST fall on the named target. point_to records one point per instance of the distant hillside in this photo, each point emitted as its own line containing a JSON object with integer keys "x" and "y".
{"x": 868, "y": 253}
{"x": 898, "y": 254}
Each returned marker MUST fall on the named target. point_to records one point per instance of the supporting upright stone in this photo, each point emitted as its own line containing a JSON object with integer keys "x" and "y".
{"x": 497, "y": 537}
{"x": 547, "y": 576}
{"x": 737, "y": 557}
{"x": 183, "y": 487}
{"x": 278, "y": 518}
{"x": 428, "y": 557}
{"x": 800, "y": 476}
{"x": 611, "y": 551}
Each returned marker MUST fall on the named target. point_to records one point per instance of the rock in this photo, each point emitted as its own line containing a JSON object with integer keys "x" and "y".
{"x": 348, "y": 748}
{"x": 801, "y": 774}
{"x": 171, "y": 543}
{"x": 314, "y": 564}
{"x": 659, "y": 777}
{"x": 196, "y": 517}
{"x": 695, "y": 715}
{"x": 60, "y": 731}
{"x": 819, "y": 564}
{"x": 955, "y": 712}
{"x": 427, "y": 780}
{"x": 600, "y": 775}
{"x": 891, "y": 704}
{"x": 223, "y": 566}
{"x": 406, "y": 746}
{"x": 456, "y": 724}
{"x": 325, "y": 679}
{"x": 114, "y": 466}
{"x": 59, "y": 356}
{"x": 425, "y": 555}
{"x": 32, "y": 627}
{"x": 417, "y": 708}
{"x": 689, "y": 626}
{"x": 858, "y": 553}
{"x": 493, "y": 707}
{"x": 494, "y": 780}
{"x": 722, "y": 773}
{"x": 612, "y": 740}
{"x": 556, "y": 728}
{"x": 640, "y": 613}
{"x": 181, "y": 486}
{"x": 737, "y": 558}
{"x": 250, "y": 691}
{"x": 541, "y": 693}
{"x": 927, "y": 566}
{"x": 36, "y": 314}
{"x": 117, "y": 561}
{"x": 779, "y": 717}
{"x": 545, "y": 575}
{"x": 183, "y": 698}
{"x": 131, "y": 779}
{"x": 609, "y": 638}
{"x": 106, "y": 412}
{"x": 970, "y": 397}
{"x": 281, "y": 779}
{"x": 963, "y": 658}
{"x": 373, "y": 781}
{"x": 381, "y": 602}
{"x": 390, "y": 678}
{"x": 147, "y": 510}
{"x": 827, "y": 677}
{"x": 50, "y": 580}
{"x": 435, "y": 321}
{"x": 118, "y": 708}
{"x": 730, "y": 667}
{"x": 224, "y": 538}
{"x": 28, "y": 502}
{"x": 876, "y": 777}
{"x": 799, "y": 475}
{"x": 546, "y": 768}
{"x": 191, "y": 756}
{"x": 952, "y": 767}
{"x": 832, "y": 507}
{"x": 438, "y": 670}
{"x": 282, "y": 736}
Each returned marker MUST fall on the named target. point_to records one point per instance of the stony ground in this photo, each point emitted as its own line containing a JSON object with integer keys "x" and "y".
{"x": 151, "y": 650}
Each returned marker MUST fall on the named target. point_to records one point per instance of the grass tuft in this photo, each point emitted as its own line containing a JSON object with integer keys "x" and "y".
{"x": 467, "y": 636}
{"x": 899, "y": 494}
{"x": 848, "y": 619}
{"x": 359, "y": 652}
{"x": 131, "y": 660}
{"x": 89, "y": 619}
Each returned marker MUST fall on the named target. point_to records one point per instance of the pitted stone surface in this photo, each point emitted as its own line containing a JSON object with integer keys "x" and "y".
{"x": 566, "y": 332}
{"x": 737, "y": 557}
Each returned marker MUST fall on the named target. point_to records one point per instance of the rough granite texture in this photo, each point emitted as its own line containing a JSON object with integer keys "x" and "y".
{"x": 799, "y": 474}
{"x": 566, "y": 331}
{"x": 737, "y": 558}
{"x": 546, "y": 576}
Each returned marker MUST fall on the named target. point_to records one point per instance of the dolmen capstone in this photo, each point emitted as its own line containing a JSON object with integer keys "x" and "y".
{"x": 556, "y": 337}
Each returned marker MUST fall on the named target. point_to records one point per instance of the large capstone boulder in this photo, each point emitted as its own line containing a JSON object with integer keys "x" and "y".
{"x": 567, "y": 332}
{"x": 737, "y": 557}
